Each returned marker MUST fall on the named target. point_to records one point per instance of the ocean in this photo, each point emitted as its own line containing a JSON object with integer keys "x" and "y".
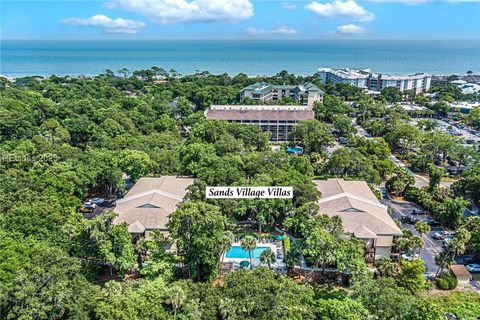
{"x": 46, "y": 57}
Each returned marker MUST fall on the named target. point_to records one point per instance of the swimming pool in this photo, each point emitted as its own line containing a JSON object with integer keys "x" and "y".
{"x": 237, "y": 252}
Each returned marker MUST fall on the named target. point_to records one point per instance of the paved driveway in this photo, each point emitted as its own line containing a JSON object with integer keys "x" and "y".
{"x": 432, "y": 247}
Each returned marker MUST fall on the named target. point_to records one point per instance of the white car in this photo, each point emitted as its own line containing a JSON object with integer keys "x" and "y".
{"x": 89, "y": 204}
{"x": 473, "y": 267}
{"x": 409, "y": 256}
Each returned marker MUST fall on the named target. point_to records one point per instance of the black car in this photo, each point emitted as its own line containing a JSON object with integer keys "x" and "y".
{"x": 431, "y": 222}
{"x": 409, "y": 220}
{"x": 417, "y": 212}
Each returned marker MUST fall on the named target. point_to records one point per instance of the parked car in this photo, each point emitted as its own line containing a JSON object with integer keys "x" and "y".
{"x": 98, "y": 201}
{"x": 416, "y": 212}
{"x": 409, "y": 219}
{"x": 410, "y": 256}
{"x": 89, "y": 204}
{"x": 110, "y": 202}
{"x": 431, "y": 222}
{"x": 473, "y": 267}
{"x": 87, "y": 209}
{"x": 443, "y": 234}
{"x": 446, "y": 241}
{"x": 463, "y": 259}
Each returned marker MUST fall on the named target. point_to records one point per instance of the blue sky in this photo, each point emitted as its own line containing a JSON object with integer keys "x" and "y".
{"x": 240, "y": 19}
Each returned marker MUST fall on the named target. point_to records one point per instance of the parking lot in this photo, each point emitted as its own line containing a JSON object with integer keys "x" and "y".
{"x": 432, "y": 246}
{"x": 98, "y": 208}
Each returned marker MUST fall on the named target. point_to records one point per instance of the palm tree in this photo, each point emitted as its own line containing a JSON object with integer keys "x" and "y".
{"x": 249, "y": 244}
{"x": 227, "y": 307}
{"x": 225, "y": 245}
{"x": 446, "y": 258}
{"x": 385, "y": 267}
{"x": 268, "y": 257}
{"x": 443, "y": 260}
{"x": 176, "y": 297}
{"x": 416, "y": 243}
{"x": 422, "y": 228}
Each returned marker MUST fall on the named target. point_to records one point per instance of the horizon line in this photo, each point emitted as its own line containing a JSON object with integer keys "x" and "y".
{"x": 241, "y": 39}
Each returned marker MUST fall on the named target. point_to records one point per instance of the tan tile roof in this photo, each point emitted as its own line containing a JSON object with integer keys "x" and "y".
{"x": 361, "y": 212}
{"x": 149, "y": 203}
{"x": 459, "y": 270}
{"x": 260, "y": 114}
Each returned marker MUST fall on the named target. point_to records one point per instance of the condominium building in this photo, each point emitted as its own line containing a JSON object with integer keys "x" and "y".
{"x": 278, "y": 120}
{"x": 357, "y": 78}
{"x": 364, "y": 78}
{"x": 363, "y": 216}
{"x": 306, "y": 94}
{"x": 148, "y": 205}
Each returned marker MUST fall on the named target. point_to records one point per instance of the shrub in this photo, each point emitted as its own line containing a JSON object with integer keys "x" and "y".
{"x": 441, "y": 283}
{"x": 446, "y": 282}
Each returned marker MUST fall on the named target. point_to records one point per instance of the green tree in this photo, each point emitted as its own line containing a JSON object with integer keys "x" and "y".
{"x": 392, "y": 94}
{"x": 411, "y": 276}
{"x": 385, "y": 267}
{"x": 176, "y": 297}
{"x": 199, "y": 228}
{"x": 268, "y": 257}
{"x": 249, "y": 244}
{"x": 383, "y": 298}
{"x": 313, "y": 135}
{"x": 422, "y": 228}
{"x": 40, "y": 281}
{"x": 399, "y": 182}
{"x": 436, "y": 175}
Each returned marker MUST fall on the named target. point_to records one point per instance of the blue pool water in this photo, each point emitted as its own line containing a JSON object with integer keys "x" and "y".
{"x": 237, "y": 252}
{"x": 294, "y": 150}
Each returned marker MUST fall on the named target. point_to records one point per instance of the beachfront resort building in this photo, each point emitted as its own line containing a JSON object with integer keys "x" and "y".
{"x": 148, "y": 205}
{"x": 278, "y": 120}
{"x": 364, "y": 78}
{"x": 363, "y": 216}
{"x": 306, "y": 94}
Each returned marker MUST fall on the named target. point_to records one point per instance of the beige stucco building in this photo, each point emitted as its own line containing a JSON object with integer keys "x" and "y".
{"x": 148, "y": 205}
{"x": 363, "y": 216}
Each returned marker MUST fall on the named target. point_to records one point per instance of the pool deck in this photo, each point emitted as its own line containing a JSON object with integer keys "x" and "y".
{"x": 256, "y": 262}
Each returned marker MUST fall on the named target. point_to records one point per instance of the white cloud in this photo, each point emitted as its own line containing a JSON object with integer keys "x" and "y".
{"x": 350, "y": 29}
{"x": 107, "y": 24}
{"x": 175, "y": 11}
{"x": 348, "y": 9}
{"x": 282, "y": 30}
{"x": 412, "y": 2}
{"x": 289, "y": 6}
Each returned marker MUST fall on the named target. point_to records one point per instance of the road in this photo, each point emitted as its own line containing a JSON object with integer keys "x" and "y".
{"x": 420, "y": 181}
{"x": 432, "y": 247}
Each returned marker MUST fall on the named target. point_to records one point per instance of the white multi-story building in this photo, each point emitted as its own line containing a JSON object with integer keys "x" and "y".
{"x": 364, "y": 78}
{"x": 357, "y": 78}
